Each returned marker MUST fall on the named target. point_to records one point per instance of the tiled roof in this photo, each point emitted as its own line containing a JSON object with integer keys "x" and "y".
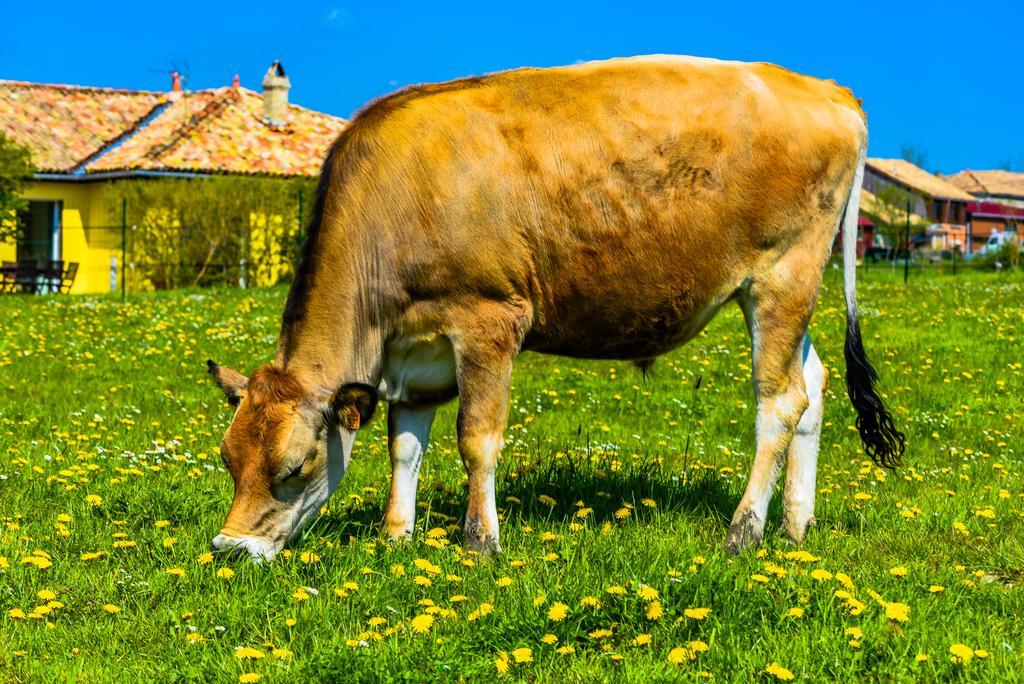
{"x": 66, "y": 125}
{"x": 986, "y": 183}
{"x": 220, "y": 130}
{"x": 918, "y": 179}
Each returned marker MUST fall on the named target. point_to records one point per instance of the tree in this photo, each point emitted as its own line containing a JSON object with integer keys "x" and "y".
{"x": 889, "y": 212}
{"x": 16, "y": 171}
{"x": 914, "y": 154}
{"x": 210, "y": 230}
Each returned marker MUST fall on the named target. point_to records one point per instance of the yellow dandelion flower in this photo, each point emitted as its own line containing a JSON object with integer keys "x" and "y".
{"x": 549, "y": 639}
{"x": 697, "y": 613}
{"x": 565, "y": 650}
{"x": 422, "y": 623}
{"x": 94, "y": 499}
{"x": 936, "y": 588}
{"x": 921, "y": 657}
{"x": 248, "y": 653}
{"x": 801, "y": 557}
{"x": 654, "y": 610}
{"x": 547, "y": 500}
{"x": 422, "y": 580}
{"x": 961, "y": 653}
{"x": 523, "y": 655}
{"x": 796, "y": 613}
{"x": 504, "y": 581}
{"x": 16, "y": 614}
{"x": 281, "y": 653}
{"x": 898, "y": 571}
{"x": 679, "y": 655}
{"x": 616, "y": 590}
{"x": 898, "y": 612}
{"x": 426, "y": 566}
{"x": 642, "y": 640}
{"x": 250, "y": 677}
{"x": 177, "y": 572}
{"x": 779, "y": 672}
{"x": 647, "y": 593}
{"x": 205, "y": 558}
{"x": 111, "y": 608}
{"x": 557, "y": 611}
{"x": 225, "y": 573}
{"x": 501, "y": 664}
{"x": 821, "y": 575}
{"x": 46, "y": 594}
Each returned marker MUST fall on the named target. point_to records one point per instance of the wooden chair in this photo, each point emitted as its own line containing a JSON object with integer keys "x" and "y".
{"x": 26, "y": 276}
{"x": 53, "y": 274}
{"x": 68, "y": 277}
{"x": 7, "y": 277}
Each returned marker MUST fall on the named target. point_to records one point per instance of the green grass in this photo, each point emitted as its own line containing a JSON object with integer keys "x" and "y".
{"x": 109, "y": 399}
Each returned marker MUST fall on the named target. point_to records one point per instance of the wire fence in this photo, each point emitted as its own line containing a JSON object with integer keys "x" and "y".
{"x": 128, "y": 259}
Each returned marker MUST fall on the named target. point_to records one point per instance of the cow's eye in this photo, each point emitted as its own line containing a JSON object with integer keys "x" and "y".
{"x": 294, "y": 472}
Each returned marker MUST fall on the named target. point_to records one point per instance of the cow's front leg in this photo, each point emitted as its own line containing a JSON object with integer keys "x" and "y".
{"x": 408, "y": 435}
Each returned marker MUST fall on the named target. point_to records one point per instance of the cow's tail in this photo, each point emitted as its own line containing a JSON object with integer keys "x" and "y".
{"x": 882, "y": 441}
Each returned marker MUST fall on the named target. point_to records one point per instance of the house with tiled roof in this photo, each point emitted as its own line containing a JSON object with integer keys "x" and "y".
{"x": 950, "y": 209}
{"x": 84, "y": 137}
{"x": 1006, "y": 187}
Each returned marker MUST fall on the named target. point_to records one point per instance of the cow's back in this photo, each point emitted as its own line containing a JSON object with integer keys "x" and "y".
{"x": 625, "y": 200}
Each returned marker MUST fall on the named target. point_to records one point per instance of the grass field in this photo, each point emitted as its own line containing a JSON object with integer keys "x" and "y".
{"x": 615, "y": 494}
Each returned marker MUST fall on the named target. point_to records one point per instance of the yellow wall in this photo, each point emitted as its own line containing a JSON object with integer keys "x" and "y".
{"x": 87, "y": 236}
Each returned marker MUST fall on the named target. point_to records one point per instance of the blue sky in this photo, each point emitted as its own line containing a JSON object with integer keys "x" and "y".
{"x": 948, "y": 82}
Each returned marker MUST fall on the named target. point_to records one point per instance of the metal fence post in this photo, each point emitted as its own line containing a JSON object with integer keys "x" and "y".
{"x": 906, "y": 261}
{"x": 124, "y": 247}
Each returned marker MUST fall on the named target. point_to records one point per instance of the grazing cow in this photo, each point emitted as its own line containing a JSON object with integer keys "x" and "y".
{"x": 603, "y": 211}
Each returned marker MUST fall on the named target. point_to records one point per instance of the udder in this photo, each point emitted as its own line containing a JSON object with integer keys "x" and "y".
{"x": 419, "y": 370}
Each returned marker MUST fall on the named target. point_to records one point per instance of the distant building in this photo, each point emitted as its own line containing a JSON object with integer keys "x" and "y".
{"x": 84, "y": 137}
{"x": 1005, "y": 187}
{"x": 1000, "y": 200}
{"x": 948, "y": 209}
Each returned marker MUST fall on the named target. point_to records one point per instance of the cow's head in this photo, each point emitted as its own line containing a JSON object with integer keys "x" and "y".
{"x": 286, "y": 449}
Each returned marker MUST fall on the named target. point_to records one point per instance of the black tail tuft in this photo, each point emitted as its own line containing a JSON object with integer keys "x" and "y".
{"x": 882, "y": 441}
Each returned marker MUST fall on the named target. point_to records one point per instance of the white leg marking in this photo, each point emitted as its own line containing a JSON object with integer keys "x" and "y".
{"x": 802, "y": 460}
{"x": 408, "y": 436}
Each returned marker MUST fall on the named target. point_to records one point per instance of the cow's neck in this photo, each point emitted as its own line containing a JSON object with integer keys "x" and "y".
{"x": 334, "y": 337}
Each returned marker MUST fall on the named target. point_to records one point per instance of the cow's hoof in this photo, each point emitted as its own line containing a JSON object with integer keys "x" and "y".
{"x": 744, "y": 532}
{"x": 796, "y": 531}
{"x": 398, "y": 537}
{"x": 479, "y": 541}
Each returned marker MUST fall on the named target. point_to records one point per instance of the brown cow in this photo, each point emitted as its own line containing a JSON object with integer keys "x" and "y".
{"x": 602, "y": 211}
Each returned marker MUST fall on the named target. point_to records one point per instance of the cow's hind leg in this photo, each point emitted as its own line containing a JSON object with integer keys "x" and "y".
{"x": 802, "y": 458}
{"x": 777, "y": 307}
{"x": 408, "y": 434}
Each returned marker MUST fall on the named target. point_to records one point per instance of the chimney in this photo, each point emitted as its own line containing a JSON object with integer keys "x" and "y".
{"x": 175, "y": 82}
{"x": 275, "y": 94}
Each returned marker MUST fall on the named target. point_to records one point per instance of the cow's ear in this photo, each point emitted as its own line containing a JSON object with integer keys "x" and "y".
{"x": 231, "y": 382}
{"x": 353, "y": 405}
